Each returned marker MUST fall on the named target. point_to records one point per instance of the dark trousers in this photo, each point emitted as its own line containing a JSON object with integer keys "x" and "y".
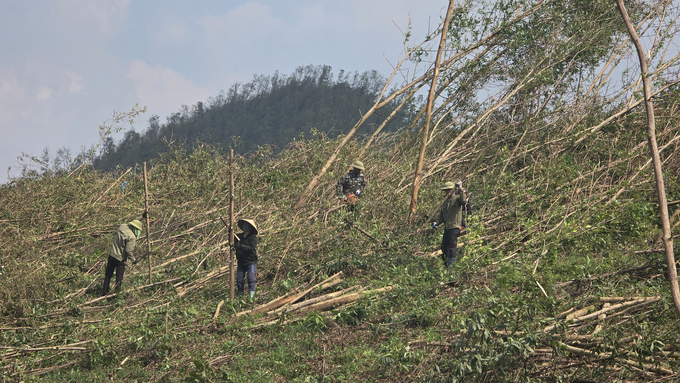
{"x": 240, "y": 273}
{"x": 119, "y": 267}
{"x": 450, "y": 245}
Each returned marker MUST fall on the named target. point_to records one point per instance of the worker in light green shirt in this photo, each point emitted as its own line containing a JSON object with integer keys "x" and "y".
{"x": 124, "y": 243}
{"x": 451, "y": 215}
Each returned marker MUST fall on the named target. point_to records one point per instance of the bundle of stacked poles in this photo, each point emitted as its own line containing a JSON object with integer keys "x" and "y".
{"x": 292, "y": 307}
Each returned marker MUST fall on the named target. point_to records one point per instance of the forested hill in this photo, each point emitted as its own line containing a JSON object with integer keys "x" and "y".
{"x": 268, "y": 110}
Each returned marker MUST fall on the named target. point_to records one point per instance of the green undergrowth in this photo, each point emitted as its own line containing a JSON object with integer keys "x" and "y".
{"x": 537, "y": 223}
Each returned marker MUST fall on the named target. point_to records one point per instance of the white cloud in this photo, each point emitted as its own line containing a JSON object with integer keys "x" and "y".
{"x": 44, "y": 93}
{"x": 397, "y": 12}
{"x": 315, "y": 20}
{"x": 171, "y": 31}
{"x": 76, "y": 82}
{"x": 10, "y": 91}
{"x": 246, "y": 22}
{"x": 163, "y": 90}
{"x": 12, "y": 98}
{"x": 102, "y": 16}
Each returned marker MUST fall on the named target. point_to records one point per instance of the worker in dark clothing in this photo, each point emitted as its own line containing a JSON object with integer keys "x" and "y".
{"x": 124, "y": 243}
{"x": 351, "y": 186}
{"x": 245, "y": 244}
{"x": 451, "y": 215}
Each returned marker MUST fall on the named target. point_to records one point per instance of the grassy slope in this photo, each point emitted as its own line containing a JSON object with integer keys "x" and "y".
{"x": 542, "y": 217}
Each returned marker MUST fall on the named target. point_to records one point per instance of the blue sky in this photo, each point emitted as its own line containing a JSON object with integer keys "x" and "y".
{"x": 67, "y": 64}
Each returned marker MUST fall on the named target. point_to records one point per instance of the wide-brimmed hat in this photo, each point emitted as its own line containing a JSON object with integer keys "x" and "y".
{"x": 136, "y": 223}
{"x": 250, "y": 221}
{"x": 358, "y": 165}
{"x": 448, "y": 186}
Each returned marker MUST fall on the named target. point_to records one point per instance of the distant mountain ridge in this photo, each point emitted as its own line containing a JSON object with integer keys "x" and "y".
{"x": 268, "y": 110}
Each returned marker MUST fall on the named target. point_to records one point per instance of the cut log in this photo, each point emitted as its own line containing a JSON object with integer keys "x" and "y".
{"x": 622, "y": 299}
{"x": 331, "y": 283}
{"x": 268, "y": 306}
{"x": 635, "y": 308}
{"x": 294, "y": 318}
{"x": 293, "y": 297}
{"x": 606, "y": 355}
{"x": 327, "y": 304}
{"x": 612, "y": 308}
{"x": 596, "y": 314}
{"x": 299, "y": 296}
{"x": 579, "y": 313}
{"x": 217, "y": 311}
{"x": 312, "y": 301}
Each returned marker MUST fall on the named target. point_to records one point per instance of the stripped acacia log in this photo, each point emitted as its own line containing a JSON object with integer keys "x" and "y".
{"x": 217, "y": 311}
{"x": 622, "y": 299}
{"x": 268, "y": 306}
{"x": 295, "y": 298}
{"x": 577, "y": 319}
{"x": 312, "y": 301}
{"x": 292, "y": 298}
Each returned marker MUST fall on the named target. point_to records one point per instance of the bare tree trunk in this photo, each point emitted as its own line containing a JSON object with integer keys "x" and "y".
{"x": 231, "y": 224}
{"x": 146, "y": 209}
{"x": 428, "y": 116}
{"x": 387, "y": 120}
{"x": 651, "y": 132}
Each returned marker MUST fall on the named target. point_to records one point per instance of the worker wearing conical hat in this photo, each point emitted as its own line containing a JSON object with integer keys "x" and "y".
{"x": 451, "y": 215}
{"x": 245, "y": 244}
{"x": 351, "y": 185}
{"x": 124, "y": 243}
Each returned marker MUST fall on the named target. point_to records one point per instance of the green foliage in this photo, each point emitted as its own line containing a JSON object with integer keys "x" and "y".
{"x": 351, "y": 316}
{"x": 315, "y": 322}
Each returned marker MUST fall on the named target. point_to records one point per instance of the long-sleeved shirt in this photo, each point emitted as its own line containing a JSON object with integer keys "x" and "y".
{"x": 350, "y": 183}
{"x": 246, "y": 249}
{"x": 451, "y": 213}
{"x": 124, "y": 243}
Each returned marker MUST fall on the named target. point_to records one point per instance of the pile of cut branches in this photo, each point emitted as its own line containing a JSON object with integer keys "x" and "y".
{"x": 591, "y": 348}
{"x": 291, "y": 307}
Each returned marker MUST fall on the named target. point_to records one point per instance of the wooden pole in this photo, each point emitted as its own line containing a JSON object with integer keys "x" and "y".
{"x": 428, "y": 116}
{"x": 146, "y": 209}
{"x": 658, "y": 172}
{"x": 231, "y": 223}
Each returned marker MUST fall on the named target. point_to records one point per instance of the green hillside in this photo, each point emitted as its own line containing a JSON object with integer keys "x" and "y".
{"x": 267, "y": 111}
{"x": 562, "y": 275}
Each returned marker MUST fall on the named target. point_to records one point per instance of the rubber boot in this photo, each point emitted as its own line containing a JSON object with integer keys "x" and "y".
{"x": 240, "y": 294}
{"x": 252, "y": 296}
